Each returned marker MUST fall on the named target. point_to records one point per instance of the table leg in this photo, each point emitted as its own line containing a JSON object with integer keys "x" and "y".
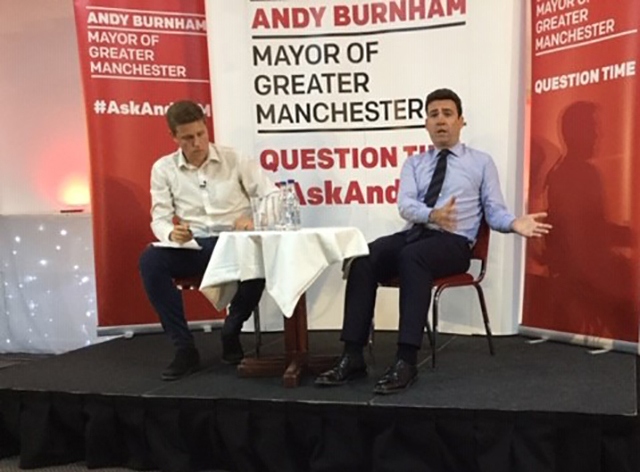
{"x": 296, "y": 360}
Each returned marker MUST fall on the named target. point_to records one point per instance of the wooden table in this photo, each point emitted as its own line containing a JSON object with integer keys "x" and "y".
{"x": 296, "y": 360}
{"x": 290, "y": 261}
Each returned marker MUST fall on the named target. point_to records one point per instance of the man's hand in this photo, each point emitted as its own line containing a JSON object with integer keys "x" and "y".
{"x": 181, "y": 233}
{"x": 529, "y": 226}
{"x": 243, "y": 223}
{"x": 446, "y": 216}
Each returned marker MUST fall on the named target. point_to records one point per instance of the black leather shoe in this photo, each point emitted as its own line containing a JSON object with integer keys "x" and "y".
{"x": 232, "y": 352}
{"x": 349, "y": 367}
{"x": 397, "y": 378}
{"x": 185, "y": 362}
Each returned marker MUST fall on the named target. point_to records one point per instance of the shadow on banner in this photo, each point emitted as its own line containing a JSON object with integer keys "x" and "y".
{"x": 582, "y": 280}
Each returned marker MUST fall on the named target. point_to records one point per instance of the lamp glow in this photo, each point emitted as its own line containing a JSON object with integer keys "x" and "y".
{"x": 74, "y": 191}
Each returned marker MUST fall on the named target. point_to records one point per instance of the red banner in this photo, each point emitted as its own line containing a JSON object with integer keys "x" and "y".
{"x": 137, "y": 57}
{"x": 584, "y": 277}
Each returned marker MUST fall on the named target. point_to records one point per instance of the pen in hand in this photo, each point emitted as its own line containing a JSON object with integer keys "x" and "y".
{"x": 181, "y": 232}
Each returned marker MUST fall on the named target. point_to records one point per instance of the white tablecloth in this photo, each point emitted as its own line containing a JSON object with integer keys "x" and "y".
{"x": 290, "y": 261}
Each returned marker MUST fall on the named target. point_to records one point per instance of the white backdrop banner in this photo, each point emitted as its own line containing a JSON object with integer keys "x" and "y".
{"x": 331, "y": 94}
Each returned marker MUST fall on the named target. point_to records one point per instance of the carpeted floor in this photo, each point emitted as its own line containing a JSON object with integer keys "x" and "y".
{"x": 546, "y": 377}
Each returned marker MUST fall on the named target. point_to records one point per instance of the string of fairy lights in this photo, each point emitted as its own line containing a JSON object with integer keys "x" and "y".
{"x": 48, "y": 283}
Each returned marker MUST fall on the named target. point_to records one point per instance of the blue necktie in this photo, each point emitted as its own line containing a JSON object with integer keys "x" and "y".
{"x": 433, "y": 191}
{"x": 437, "y": 179}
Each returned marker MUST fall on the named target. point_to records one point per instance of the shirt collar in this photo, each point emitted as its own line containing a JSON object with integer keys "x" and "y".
{"x": 456, "y": 150}
{"x": 211, "y": 156}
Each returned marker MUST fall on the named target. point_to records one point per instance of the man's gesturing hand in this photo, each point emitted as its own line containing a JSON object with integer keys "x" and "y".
{"x": 529, "y": 226}
{"x": 446, "y": 216}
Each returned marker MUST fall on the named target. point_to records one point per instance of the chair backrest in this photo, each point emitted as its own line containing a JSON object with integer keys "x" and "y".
{"x": 481, "y": 248}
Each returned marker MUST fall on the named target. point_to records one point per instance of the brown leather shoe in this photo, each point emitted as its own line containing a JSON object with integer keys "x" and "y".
{"x": 349, "y": 367}
{"x": 397, "y": 378}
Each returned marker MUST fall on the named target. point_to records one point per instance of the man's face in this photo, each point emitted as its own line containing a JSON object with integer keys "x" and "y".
{"x": 193, "y": 139}
{"x": 443, "y": 123}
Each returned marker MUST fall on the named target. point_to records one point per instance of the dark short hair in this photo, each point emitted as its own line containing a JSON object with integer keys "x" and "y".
{"x": 182, "y": 113}
{"x": 443, "y": 94}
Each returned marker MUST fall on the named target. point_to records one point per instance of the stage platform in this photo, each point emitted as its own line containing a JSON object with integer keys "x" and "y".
{"x": 531, "y": 407}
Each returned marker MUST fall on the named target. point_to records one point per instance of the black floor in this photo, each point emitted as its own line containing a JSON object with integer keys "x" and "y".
{"x": 530, "y": 408}
{"x": 544, "y": 377}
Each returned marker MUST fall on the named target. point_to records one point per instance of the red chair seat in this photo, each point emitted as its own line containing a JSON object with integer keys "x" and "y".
{"x": 188, "y": 283}
{"x": 454, "y": 280}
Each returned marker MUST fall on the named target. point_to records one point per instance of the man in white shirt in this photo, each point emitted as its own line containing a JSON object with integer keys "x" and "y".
{"x": 196, "y": 192}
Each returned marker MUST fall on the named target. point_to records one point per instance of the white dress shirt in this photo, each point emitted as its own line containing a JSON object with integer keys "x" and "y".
{"x": 209, "y": 198}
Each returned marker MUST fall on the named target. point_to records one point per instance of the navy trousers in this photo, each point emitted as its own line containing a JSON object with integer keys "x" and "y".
{"x": 417, "y": 263}
{"x": 159, "y": 266}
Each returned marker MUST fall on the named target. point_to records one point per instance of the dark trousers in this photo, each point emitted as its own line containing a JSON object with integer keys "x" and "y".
{"x": 435, "y": 254}
{"x": 158, "y": 268}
